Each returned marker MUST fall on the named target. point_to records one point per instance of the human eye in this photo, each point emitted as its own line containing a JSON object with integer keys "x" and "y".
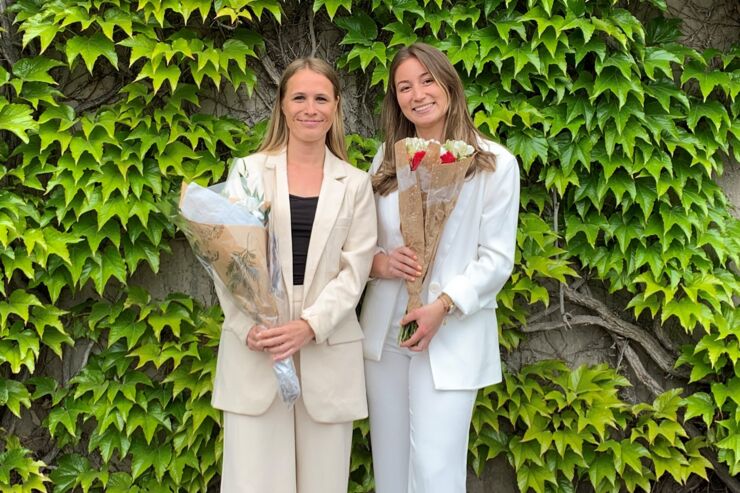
{"x": 427, "y": 81}
{"x": 403, "y": 87}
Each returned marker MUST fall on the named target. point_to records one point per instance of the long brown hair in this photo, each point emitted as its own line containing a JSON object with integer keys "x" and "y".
{"x": 458, "y": 124}
{"x": 276, "y": 137}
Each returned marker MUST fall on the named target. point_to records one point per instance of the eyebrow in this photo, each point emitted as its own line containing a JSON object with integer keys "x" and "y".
{"x": 408, "y": 82}
{"x": 301, "y": 93}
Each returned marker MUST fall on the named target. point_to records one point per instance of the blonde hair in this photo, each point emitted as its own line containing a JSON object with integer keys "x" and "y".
{"x": 276, "y": 137}
{"x": 458, "y": 123}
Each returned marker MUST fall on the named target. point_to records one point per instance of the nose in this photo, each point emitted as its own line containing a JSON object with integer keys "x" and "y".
{"x": 310, "y": 106}
{"x": 416, "y": 92}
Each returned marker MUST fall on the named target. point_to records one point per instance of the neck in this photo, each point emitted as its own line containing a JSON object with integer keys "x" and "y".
{"x": 306, "y": 153}
{"x": 430, "y": 133}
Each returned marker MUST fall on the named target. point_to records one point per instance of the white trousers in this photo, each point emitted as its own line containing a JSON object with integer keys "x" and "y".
{"x": 419, "y": 435}
{"x": 285, "y": 450}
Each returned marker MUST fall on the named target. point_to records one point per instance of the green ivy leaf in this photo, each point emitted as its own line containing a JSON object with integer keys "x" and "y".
{"x": 528, "y": 146}
{"x": 69, "y": 471}
{"x": 34, "y": 69}
{"x": 332, "y": 6}
{"x": 17, "y": 118}
{"x": 106, "y": 265}
{"x": 108, "y": 442}
{"x": 121, "y": 482}
{"x": 125, "y": 327}
{"x": 141, "y": 46}
{"x": 46, "y": 32}
{"x": 708, "y": 80}
{"x": 18, "y": 304}
{"x": 660, "y": 59}
{"x": 467, "y": 53}
{"x": 113, "y": 18}
{"x": 610, "y": 79}
{"x": 171, "y": 73}
{"x": 700, "y": 404}
{"x": 90, "y": 49}
{"x": 145, "y": 457}
{"x": 403, "y": 34}
{"x": 534, "y": 477}
{"x": 361, "y": 29}
{"x": 13, "y": 395}
{"x": 66, "y": 415}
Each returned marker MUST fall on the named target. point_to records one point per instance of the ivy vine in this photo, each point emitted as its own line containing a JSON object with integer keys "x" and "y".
{"x": 620, "y": 130}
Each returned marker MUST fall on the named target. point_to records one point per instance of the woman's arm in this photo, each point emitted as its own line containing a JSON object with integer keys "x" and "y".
{"x": 482, "y": 279}
{"x": 477, "y": 285}
{"x": 340, "y": 295}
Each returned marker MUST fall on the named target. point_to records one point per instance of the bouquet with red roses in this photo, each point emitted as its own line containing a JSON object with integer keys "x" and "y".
{"x": 430, "y": 176}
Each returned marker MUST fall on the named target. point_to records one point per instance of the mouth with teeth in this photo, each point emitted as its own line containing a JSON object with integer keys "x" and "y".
{"x": 423, "y": 108}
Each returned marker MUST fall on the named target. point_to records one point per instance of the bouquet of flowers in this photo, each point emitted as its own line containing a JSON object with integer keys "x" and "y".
{"x": 430, "y": 176}
{"x": 228, "y": 227}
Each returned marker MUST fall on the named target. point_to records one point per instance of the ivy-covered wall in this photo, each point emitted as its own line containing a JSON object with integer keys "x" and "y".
{"x": 625, "y": 237}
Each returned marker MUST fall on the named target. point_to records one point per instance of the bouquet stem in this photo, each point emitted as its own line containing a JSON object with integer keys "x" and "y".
{"x": 407, "y": 330}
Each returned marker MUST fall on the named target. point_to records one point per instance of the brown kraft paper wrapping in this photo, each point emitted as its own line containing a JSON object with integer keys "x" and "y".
{"x": 237, "y": 254}
{"x": 426, "y": 198}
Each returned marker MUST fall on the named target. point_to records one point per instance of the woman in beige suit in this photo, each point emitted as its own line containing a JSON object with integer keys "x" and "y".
{"x": 324, "y": 217}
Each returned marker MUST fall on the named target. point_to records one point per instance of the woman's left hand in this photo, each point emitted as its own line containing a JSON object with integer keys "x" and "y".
{"x": 285, "y": 340}
{"x": 428, "y": 319}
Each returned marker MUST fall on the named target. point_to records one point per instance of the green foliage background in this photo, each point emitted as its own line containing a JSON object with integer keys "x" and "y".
{"x": 619, "y": 128}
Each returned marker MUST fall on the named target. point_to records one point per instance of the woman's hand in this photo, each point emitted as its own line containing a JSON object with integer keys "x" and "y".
{"x": 428, "y": 318}
{"x": 400, "y": 263}
{"x": 253, "y": 341}
{"x": 285, "y": 340}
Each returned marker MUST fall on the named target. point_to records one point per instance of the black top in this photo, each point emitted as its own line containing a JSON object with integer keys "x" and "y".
{"x": 302, "y": 213}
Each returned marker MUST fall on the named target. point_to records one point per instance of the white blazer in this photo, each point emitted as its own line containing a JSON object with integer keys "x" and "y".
{"x": 474, "y": 259}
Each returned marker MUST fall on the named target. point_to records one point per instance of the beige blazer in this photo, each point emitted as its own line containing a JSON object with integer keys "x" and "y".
{"x": 340, "y": 254}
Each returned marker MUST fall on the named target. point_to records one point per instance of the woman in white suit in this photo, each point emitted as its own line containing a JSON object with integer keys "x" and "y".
{"x": 421, "y": 393}
{"x": 326, "y": 229}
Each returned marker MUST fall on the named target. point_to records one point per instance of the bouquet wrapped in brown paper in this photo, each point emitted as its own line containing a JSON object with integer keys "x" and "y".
{"x": 228, "y": 228}
{"x": 430, "y": 176}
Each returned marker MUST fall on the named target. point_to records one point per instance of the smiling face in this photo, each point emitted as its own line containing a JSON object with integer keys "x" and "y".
{"x": 309, "y": 106}
{"x": 421, "y": 99}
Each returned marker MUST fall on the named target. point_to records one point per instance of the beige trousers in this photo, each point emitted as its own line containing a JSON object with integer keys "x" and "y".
{"x": 285, "y": 450}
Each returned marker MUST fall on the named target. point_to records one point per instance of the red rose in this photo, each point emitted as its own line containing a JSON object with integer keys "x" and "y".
{"x": 447, "y": 158}
{"x": 416, "y": 160}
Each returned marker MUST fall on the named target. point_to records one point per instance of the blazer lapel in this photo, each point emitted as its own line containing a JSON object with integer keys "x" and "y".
{"x": 280, "y": 214}
{"x": 330, "y": 199}
{"x": 454, "y": 220}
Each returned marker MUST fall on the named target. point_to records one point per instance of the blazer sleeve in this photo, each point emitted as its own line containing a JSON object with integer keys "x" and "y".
{"x": 482, "y": 279}
{"x": 339, "y": 297}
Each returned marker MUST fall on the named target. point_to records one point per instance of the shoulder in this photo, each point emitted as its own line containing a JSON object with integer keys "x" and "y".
{"x": 505, "y": 160}
{"x": 245, "y": 163}
{"x": 355, "y": 173}
{"x": 502, "y": 153}
{"x": 339, "y": 167}
{"x": 354, "y": 177}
